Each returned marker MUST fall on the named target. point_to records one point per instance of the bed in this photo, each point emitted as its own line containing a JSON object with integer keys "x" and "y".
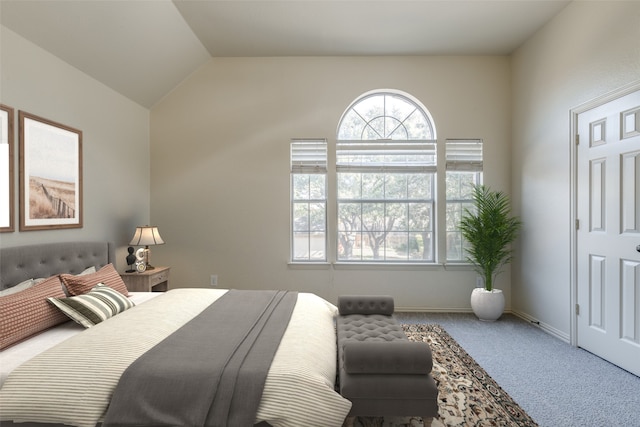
{"x": 70, "y": 374}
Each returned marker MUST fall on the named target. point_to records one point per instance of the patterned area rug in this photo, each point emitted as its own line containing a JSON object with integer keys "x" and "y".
{"x": 468, "y": 396}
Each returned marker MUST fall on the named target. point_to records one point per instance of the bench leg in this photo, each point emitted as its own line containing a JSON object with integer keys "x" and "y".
{"x": 348, "y": 422}
{"x": 427, "y": 421}
{"x": 364, "y": 421}
{"x": 373, "y": 422}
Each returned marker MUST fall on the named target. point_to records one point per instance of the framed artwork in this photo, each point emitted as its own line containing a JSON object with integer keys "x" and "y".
{"x": 50, "y": 174}
{"x": 6, "y": 169}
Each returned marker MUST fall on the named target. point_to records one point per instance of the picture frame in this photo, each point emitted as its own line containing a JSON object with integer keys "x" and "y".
{"x": 50, "y": 174}
{"x": 6, "y": 169}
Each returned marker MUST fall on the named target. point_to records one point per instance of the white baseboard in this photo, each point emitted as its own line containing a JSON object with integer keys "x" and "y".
{"x": 545, "y": 327}
{"x": 432, "y": 310}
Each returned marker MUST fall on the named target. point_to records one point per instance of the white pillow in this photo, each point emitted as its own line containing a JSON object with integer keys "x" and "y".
{"x": 88, "y": 270}
{"x": 17, "y": 288}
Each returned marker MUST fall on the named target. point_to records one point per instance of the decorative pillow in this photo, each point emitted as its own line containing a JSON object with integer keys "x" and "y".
{"x": 18, "y": 288}
{"x": 81, "y": 284}
{"x": 87, "y": 270}
{"x": 27, "y": 312}
{"x": 94, "y": 307}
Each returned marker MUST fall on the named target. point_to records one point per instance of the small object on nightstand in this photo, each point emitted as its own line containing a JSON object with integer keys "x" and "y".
{"x": 131, "y": 259}
{"x": 140, "y": 255}
{"x": 141, "y": 262}
{"x": 156, "y": 280}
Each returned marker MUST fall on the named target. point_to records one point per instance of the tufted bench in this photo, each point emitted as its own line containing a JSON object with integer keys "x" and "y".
{"x": 380, "y": 371}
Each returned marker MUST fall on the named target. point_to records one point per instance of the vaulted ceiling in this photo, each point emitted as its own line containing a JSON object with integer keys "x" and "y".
{"x": 144, "y": 48}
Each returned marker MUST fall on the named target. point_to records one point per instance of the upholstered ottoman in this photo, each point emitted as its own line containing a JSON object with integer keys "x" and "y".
{"x": 380, "y": 371}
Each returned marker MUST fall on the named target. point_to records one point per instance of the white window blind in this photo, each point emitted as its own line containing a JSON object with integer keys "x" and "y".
{"x": 309, "y": 156}
{"x": 309, "y": 200}
{"x": 386, "y": 155}
{"x": 464, "y": 155}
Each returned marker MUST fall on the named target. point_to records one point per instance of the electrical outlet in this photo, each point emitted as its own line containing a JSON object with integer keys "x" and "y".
{"x": 214, "y": 280}
{"x": 479, "y": 282}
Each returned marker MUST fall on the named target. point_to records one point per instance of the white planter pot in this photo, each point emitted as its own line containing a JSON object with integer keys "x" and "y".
{"x": 487, "y": 305}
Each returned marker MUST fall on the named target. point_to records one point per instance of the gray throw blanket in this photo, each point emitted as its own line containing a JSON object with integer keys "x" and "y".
{"x": 211, "y": 372}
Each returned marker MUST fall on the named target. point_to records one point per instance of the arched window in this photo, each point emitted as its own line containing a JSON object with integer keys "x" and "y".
{"x": 385, "y": 195}
{"x": 386, "y": 167}
{"x": 386, "y": 115}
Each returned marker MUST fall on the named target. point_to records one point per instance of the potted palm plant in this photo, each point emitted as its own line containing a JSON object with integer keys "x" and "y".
{"x": 489, "y": 229}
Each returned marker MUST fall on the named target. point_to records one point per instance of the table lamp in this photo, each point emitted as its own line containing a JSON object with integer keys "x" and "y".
{"x": 146, "y": 236}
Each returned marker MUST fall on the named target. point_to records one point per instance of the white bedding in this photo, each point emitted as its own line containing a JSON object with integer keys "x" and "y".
{"x": 299, "y": 389}
{"x": 14, "y": 356}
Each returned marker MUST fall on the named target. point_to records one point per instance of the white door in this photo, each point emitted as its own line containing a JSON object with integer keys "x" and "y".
{"x": 608, "y": 235}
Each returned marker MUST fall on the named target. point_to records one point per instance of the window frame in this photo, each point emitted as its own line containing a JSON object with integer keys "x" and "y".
{"x": 308, "y": 157}
{"x": 466, "y": 158}
{"x": 439, "y": 203}
{"x": 388, "y": 234}
{"x": 393, "y": 134}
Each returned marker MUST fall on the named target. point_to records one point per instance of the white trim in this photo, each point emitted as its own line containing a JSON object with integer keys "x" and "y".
{"x": 389, "y": 265}
{"x": 308, "y": 265}
{"x": 404, "y": 266}
{"x": 535, "y": 322}
{"x": 573, "y": 191}
{"x": 544, "y": 326}
{"x": 432, "y": 310}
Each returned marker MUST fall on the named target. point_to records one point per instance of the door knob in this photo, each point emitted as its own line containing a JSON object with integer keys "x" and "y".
{"x": 638, "y": 248}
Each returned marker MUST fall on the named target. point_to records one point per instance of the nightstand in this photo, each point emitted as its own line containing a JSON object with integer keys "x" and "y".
{"x": 156, "y": 280}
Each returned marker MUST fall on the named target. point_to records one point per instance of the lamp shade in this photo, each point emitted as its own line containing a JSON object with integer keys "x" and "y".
{"x": 146, "y": 236}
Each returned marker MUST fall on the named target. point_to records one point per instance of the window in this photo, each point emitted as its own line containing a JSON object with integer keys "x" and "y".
{"x": 309, "y": 200}
{"x": 385, "y": 201}
{"x": 463, "y": 171}
{"x": 385, "y": 173}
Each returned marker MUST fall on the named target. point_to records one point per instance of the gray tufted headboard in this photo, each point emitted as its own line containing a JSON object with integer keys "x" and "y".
{"x": 21, "y": 263}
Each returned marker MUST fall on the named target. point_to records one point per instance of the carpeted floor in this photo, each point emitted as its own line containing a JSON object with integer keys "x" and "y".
{"x": 555, "y": 383}
{"x": 468, "y": 396}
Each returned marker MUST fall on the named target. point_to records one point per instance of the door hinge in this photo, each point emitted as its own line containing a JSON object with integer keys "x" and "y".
{"x": 577, "y": 224}
{"x": 577, "y": 139}
{"x": 577, "y": 309}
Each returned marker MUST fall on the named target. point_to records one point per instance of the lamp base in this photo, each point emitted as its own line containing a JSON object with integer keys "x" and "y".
{"x": 150, "y": 267}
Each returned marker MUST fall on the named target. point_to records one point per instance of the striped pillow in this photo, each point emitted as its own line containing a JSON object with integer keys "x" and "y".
{"x": 94, "y": 307}
{"x": 27, "y": 312}
{"x": 81, "y": 284}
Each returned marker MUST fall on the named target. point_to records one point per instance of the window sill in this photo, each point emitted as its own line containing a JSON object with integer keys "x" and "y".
{"x": 459, "y": 266}
{"x": 309, "y": 265}
{"x": 404, "y": 266}
{"x": 379, "y": 266}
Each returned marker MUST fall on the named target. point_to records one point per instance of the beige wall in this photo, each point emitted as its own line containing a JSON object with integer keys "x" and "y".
{"x": 589, "y": 49}
{"x": 115, "y": 142}
{"x": 220, "y": 164}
